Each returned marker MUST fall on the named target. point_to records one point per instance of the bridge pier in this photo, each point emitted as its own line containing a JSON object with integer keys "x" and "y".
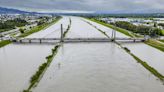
{"x": 29, "y": 41}
{"x": 143, "y": 40}
{"x": 2, "y": 38}
{"x": 13, "y": 40}
{"x": 113, "y": 40}
{"x": 40, "y": 41}
{"x": 20, "y": 41}
{"x": 134, "y": 40}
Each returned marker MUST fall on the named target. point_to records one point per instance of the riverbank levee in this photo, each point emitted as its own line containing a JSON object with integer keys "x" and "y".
{"x": 150, "y": 55}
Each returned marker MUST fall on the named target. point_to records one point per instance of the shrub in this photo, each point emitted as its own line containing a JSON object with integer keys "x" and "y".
{"x": 126, "y": 49}
{"x": 21, "y": 30}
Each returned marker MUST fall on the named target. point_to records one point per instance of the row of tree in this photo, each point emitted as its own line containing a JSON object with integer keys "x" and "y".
{"x": 141, "y": 29}
{"x": 161, "y": 24}
{"x": 11, "y": 24}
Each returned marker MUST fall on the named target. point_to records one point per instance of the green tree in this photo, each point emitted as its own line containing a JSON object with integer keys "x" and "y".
{"x": 21, "y": 30}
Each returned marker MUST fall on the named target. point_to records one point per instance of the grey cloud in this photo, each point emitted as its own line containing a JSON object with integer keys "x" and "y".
{"x": 87, "y": 5}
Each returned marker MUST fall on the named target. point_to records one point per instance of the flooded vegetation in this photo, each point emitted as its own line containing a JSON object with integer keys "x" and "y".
{"x": 42, "y": 68}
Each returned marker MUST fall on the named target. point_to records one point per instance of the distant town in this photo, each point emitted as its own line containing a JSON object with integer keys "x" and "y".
{"x": 15, "y": 24}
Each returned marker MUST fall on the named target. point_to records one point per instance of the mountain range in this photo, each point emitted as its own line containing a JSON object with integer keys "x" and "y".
{"x": 13, "y": 11}
{"x": 4, "y": 10}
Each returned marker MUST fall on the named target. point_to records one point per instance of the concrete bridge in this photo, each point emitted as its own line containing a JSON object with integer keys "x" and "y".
{"x": 67, "y": 40}
{"x": 41, "y": 40}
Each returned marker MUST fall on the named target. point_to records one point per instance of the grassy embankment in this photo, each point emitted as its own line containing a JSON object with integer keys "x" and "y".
{"x": 4, "y": 43}
{"x": 124, "y": 31}
{"x": 39, "y": 28}
{"x": 152, "y": 43}
{"x": 42, "y": 68}
{"x": 97, "y": 28}
{"x": 155, "y": 44}
{"x": 144, "y": 64}
{"x": 163, "y": 34}
{"x": 161, "y": 41}
{"x": 147, "y": 66}
{"x": 33, "y": 30}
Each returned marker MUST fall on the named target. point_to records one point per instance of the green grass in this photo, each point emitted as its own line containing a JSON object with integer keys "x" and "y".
{"x": 161, "y": 41}
{"x": 68, "y": 28}
{"x": 151, "y": 69}
{"x": 155, "y": 44}
{"x": 124, "y": 31}
{"x": 4, "y": 43}
{"x": 152, "y": 43}
{"x": 38, "y": 28}
{"x": 39, "y": 73}
{"x": 144, "y": 64}
{"x": 3, "y": 30}
{"x": 41, "y": 70}
{"x": 162, "y": 32}
{"x": 33, "y": 30}
{"x": 149, "y": 42}
{"x": 97, "y": 29}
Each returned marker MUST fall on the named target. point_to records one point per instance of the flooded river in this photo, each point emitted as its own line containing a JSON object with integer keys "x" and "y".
{"x": 95, "y": 67}
{"x": 18, "y": 62}
{"x": 78, "y": 67}
{"x": 152, "y": 56}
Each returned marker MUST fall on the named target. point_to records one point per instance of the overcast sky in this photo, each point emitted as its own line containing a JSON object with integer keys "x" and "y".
{"x": 113, "y": 6}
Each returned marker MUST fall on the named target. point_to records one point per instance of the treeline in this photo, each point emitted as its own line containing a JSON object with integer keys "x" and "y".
{"x": 141, "y": 29}
{"x": 151, "y": 15}
{"x": 44, "y": 19}
{"x": 11, "y": 24}
{"x": 161, "y": 24}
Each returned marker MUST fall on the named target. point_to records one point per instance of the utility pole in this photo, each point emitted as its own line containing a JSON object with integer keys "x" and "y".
{"x": 61, "y": 33}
